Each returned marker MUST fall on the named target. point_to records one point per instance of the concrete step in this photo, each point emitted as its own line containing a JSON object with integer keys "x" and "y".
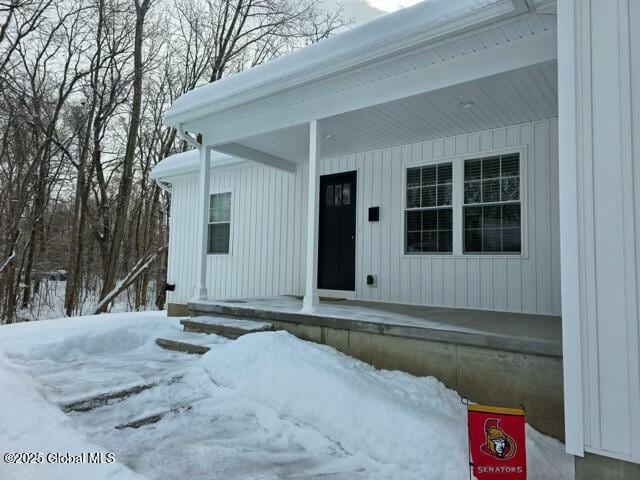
{"x": 224, "y": 326}
{"x": 178, "y": 346}
{"x": 108, "y": 398}
{"x": 189, "y": 342}
{"x": 151, "y": 419}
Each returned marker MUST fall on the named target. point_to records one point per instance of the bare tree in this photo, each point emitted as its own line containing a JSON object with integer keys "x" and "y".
{"x": 83, "y": 89}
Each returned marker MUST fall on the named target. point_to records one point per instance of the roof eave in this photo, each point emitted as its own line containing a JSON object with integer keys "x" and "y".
{"x": 458, "y": 25}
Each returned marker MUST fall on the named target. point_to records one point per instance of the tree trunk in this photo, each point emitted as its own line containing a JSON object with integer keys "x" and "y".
{"x": 138, "y": 269}
{"x": 126, "y": 182}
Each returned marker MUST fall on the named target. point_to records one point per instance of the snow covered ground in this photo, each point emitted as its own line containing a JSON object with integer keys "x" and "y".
{"x": 265, "y": 406}
{"x": 48, "y": 303}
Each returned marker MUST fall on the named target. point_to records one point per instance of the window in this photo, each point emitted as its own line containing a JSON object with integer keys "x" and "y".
{"x": 492, "y": 205}
{"x": 428, "y": 213}
{"x": 219, "y": 222}
{"x": 338, "y": 195}
{"x": 464, "y": 206}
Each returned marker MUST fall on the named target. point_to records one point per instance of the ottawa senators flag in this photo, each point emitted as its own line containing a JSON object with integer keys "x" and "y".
{"x": 497, "y": 443}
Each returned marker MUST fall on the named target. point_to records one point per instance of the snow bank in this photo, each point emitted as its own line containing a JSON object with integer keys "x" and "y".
{"x": 29, "y": 423}
{"x": 412, "y": 427}
{"x": 267, "y": 405}
{"x": 56, "y": 339}
{"x": 188, "y": 162}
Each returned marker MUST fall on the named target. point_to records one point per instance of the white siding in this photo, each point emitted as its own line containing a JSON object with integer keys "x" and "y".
{"x": 268, "y": 210}
{"x": 268, "y": 231}
{"x": 600, "y": 113}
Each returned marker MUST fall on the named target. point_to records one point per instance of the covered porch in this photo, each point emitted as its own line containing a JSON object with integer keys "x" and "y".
{"x": 465, "y": 81}
{"x": 443, "y": 99}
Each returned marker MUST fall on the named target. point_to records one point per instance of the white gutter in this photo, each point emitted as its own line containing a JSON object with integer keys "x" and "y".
{"x": 186, "y": 137}
{"x": 357, "y": 58}
{"x": 163, "y": 185}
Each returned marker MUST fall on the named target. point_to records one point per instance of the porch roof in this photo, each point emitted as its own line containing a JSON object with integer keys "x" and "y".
{"x": 187, "y": 162}
{"x": 401, "y": 79}
{"x": 387, "y": 34}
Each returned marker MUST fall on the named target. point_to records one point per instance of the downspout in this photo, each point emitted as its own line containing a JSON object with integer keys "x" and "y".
{"x": 202, "y": 292}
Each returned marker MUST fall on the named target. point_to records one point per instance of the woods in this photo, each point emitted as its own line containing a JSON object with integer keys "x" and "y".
{"x": 83, "y": 87}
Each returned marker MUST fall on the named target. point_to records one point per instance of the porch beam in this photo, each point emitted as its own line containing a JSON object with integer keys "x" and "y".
{"x": 248, "y": 153}
{"x": 520, "y": 6}
{"x": 311, "y": 299}
{"x": 516, "y": 54}
{"x": 202, "y": 292}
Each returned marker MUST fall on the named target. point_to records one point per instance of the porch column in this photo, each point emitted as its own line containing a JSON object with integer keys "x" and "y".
{"x": 599, "y": 109}
{"x": 203, "y": 219}
{"x": 311, "y": 288}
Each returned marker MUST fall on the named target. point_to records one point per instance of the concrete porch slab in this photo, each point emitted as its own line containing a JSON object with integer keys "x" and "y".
{"x": 512, "y": 332}
{"x": 489, "y": 357}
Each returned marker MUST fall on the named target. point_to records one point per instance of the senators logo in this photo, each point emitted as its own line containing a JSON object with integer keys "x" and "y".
{"x": 497, "y": 443}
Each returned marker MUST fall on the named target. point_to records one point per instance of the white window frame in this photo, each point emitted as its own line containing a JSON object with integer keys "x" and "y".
{"x": 218, "y": 192}
{"x": 405, "y": 209}
{"x": 457, "y": 204}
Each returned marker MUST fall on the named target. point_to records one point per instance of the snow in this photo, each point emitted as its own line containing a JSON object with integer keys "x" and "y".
{"x": 188, "y": 162}
{"x": 41, "y": 364}
{"x": 348, "y": 45}
{"x": 515, "y": 326}
{"x": 240, "y": 323}
{"x": 336, "y": 310}
{"x": 264, "y": 406}
{"x": 49, "y": 302}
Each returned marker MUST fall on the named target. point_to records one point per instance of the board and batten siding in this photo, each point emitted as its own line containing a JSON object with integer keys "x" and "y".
{"x": 268, "y": 234}
{"x": 599, "y": 102}
{"x": 268, "y": 230}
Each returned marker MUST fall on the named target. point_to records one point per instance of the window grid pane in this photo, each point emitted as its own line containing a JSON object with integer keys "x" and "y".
{"x": 220, "y": 207}
{"x": 219, "y": 223}
{"x": 429, "y": 186}
{"x": 428, "y": 202}
{"x": 492, "y": 221}
{"x": 219, "y": 237}
{"x": 428, "y": 231}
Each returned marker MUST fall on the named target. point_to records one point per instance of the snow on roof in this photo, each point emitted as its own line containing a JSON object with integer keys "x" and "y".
{"x": 188, "y": 162}
{"x": 349, "y": 45}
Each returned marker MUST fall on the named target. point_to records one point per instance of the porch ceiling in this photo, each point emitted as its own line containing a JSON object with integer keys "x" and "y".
{"x": 518, "y": 96}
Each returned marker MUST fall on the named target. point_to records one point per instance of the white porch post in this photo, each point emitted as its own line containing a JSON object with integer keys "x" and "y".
{"x": 203, "y": 219}
{"x": 311, "y": 288}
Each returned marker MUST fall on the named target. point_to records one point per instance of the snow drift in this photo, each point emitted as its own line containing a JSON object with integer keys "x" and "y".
{"x": 265, "y": 406}
{"x": 28, "y": 423}
{"x": 414, "y": 426}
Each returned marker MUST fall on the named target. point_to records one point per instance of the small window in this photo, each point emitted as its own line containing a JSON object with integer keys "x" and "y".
{"x": 346, "y": 194}
{"x": 428, "y": 212}
{"x": 492, "y": 208}
{"x": 219, "y": 222}
{"x": 330, "y": 196}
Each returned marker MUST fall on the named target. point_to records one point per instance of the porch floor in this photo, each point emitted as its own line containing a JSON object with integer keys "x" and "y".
{"x": 515, "y": 332}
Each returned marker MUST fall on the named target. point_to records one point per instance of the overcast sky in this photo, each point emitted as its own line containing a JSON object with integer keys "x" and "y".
{"x": 364, "y": 10}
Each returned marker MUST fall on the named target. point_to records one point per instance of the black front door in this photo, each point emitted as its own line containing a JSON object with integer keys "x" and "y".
{"x": 337, "y": 235}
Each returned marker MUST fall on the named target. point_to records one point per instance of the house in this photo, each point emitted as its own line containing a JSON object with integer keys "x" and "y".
{"x": 472, "y": 154}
